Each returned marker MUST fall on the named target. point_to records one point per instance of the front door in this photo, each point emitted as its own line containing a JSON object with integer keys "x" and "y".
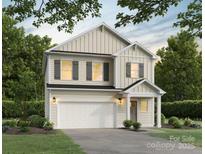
{"x": 133, "y": 111}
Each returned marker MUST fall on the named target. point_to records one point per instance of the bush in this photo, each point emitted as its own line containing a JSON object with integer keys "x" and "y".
{"x": 183, "y": 109}
{"x": 187, "y": 122}
{"x": 24, "y": 129}
{"x": 48, "y": 125}
{"x": 163, "y": 118}
{"x": 136, "y": 125}
{"x": 177, "y": 124}
{"x": 194, "y": 125}
{"x": 127, "y": 123}
{"x": 10, "y": 109}
{"x": 10, "y": 123}
{"x": 5, "y": 128}
{"x": 172, "y": 120}
{"x": 23, "y": 123}
{"x": 37, "y": 121}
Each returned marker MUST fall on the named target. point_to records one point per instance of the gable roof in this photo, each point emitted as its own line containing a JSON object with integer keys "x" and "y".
{"x": 142, "y": 80}
{"x": 138, "y": 45}
{"x": 91, "y": 29}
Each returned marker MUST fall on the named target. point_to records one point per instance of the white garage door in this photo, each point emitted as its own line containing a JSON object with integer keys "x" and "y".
{"x": 85, "y": 115}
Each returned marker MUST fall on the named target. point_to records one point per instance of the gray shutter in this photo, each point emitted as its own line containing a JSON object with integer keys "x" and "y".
{"x": 128, "y": 70}
{"x": 106, "y": 71}
{"x": 57, "y": 69}
{"x": 141, "y": 70}
{"x": 75, "y": 70}
{"x": 89, "y": 71}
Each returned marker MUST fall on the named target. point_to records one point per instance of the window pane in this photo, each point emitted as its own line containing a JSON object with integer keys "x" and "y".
{"x": 97, "y": 72}
{"x": 134, "y": 70}
{"x": 66, "y": 70}
{"x": 144, "y": 105}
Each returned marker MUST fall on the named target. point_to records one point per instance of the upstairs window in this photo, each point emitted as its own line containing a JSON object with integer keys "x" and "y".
{"x": 66, "y": 70}
{"x": 97, "y": 71}
{"x": 134, "y": 70}
{"x": 97, "y": 74}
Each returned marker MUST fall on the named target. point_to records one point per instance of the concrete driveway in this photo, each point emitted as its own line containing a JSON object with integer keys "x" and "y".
{"x": 120, "y": 141}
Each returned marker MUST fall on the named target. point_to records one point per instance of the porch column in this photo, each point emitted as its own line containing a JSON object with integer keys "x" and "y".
{"x": 159, "y": 111}
{"x": 128, "y": 107}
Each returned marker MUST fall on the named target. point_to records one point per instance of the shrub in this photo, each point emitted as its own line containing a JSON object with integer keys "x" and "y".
{"x": 24, "y": 129}
{"x": 172, "y": 120}
{"x": 127, "y": 123}
{"x": 183, "y": 109}
{"x": 23, "y": 123}
{"x": 176, "y": 124}
{"x": 163, "y": 118}
{"x": 187, "y": 122}
{"x": 37, "y": 121}
{"x": 11, "y": 109}
{"x": 5, "y": 128}
{"x": 194, "y": 125}
{"x": 48, "y": 125}
{"x": 10, "y": 123}
{"x": 136, "y": 125}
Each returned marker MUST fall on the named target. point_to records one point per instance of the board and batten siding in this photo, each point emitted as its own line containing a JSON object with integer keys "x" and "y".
{"x": 143, "y": 88}
{"x": 98, "y": 40}
{"x": 82, "y": 69}
{"x": 132, "y": 55}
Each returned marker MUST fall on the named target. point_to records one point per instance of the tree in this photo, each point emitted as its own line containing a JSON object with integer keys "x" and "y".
{"x": 144, "y": 10}
{"x": 179, "y": 70}
{"x": 20, "y": 52}
{"x": 192, "y": 19}
{"x": 24, "y": 90}
{"x": 66, "y": 13}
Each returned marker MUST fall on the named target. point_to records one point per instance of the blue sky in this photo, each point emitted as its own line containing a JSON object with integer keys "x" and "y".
{"x": 153, "y": 34}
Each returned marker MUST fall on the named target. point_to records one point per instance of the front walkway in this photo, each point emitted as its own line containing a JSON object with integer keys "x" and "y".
{"x": 120, "y": 141}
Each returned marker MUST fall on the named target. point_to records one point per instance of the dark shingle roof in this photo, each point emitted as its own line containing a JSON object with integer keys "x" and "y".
{"x": 85, "y": 53}
{"x": 79, "y": 86}
{"x": 128, "y": 87}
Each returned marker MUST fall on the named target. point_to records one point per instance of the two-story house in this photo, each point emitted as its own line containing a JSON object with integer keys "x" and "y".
{"x": 98, "y": 79}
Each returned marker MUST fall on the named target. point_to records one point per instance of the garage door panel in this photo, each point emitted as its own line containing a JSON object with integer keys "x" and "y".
{"x": 85, "y": 115}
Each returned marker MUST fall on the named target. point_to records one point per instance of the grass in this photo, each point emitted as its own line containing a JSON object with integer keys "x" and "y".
{"x": 57, "y": 143}
{"x": 192, "y": 136}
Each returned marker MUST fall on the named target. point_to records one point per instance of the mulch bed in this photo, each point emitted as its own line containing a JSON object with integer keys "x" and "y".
{"x": 32, "y": 130}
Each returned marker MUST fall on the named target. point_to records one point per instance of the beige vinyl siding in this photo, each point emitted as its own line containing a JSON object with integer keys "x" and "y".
{"x": 133, "y": 55}
{"x": 82, "y": 70}
{"x": 99, "y": 40}
{"x": 146, "y": 118}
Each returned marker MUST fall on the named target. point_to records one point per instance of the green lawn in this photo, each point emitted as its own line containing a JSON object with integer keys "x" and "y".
{"x": 40, "y": 144}
{"x": 193, "y": 136}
